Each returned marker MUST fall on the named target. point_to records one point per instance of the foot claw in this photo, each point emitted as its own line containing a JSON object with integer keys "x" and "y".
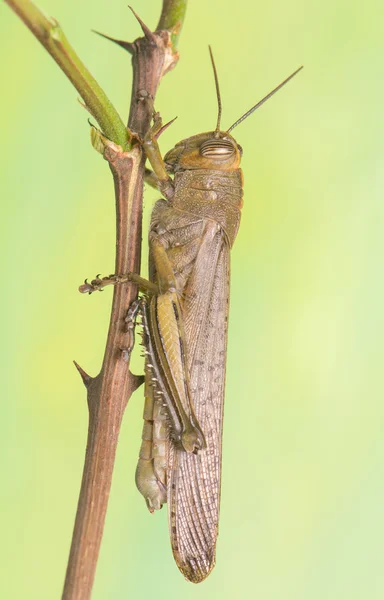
{"x": 86, "y": 288}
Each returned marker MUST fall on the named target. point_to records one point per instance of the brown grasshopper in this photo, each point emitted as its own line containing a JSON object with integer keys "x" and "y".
{"x": 185, "y": 319}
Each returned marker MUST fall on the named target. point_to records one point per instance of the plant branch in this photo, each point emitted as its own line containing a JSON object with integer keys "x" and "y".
{"x": 49, "y": 33}
{"x": 108, "y": 393}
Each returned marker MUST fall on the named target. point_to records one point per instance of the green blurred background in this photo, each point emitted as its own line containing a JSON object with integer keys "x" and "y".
{"x": 303, "y": 493}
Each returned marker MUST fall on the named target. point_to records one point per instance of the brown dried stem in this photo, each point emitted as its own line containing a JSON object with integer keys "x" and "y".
{"x": 108, "y": 393}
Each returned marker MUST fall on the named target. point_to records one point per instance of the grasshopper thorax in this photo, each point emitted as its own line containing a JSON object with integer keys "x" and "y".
{"x": 216, "y": 150}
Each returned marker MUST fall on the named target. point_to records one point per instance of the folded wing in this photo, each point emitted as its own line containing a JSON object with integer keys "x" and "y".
{"x": 193, "y": 480}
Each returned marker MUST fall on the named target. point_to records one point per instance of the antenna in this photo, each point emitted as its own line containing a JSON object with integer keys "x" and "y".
{"x": 217, "y": 93}
{"x": 251, "y": 110}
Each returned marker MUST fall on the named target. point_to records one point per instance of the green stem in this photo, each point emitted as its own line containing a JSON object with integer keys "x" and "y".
{"x": 50, "y": 35}
{"x": 172, "y": 18}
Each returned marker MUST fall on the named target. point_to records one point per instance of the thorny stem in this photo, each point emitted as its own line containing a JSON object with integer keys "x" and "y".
{"x": 49, "y": 33}
{"x": 108, "y": 392}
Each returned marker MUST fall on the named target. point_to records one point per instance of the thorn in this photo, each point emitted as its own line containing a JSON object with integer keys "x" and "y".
{"x": 138, "y": 380}
{"x": 126, "y": 45}
{"x": 164, "y": 127}
{"x": 84, "y": 376}
{"x": 84, "y": 106}
{"x": 147, "y": 32}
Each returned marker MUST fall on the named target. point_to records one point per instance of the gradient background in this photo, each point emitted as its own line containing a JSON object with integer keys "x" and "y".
{"x": 303, "y": 492}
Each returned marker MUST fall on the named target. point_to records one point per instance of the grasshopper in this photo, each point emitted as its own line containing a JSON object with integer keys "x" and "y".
{"x": 185, "y": 319}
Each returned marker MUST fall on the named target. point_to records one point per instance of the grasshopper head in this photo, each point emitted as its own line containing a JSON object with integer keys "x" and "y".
{"x": 212, "y": 150}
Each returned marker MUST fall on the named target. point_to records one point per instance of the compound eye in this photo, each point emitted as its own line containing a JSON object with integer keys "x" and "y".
{"x": 217, "y": 148}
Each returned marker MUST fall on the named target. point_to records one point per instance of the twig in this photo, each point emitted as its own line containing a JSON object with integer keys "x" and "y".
{"x": 49, "y": 33}
{"x": 108, "y": 393}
